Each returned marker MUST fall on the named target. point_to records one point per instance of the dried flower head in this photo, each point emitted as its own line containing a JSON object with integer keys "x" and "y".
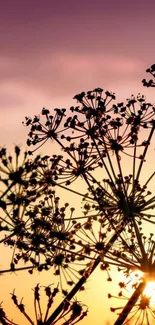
{"x": 41, "y": 132}
{"x": 71, "y": 313}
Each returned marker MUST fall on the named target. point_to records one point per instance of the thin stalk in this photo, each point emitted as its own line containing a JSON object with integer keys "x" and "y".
{"x": 130, "y": 304}
{"x": 6, "y": 238}
{"x": 110, "y": 163}
{"x": 8, "y": 188}
{"x": 118, "y": 231}
{"x": 105, "y": 166}
{"x": 144, "y": 153}
{"x": 72, "y": 293}
{"x": 20, "y": 269}
{"x": 140, "y": 242}
{"x": 134, "y": 167}
{"x": 64, "y": 149}
{"x": 81, "y": 282}
{"x": 90, "y": 187}
{"x": 145, "y": 185}
{"x": 70, "y": 190}
{"x": 120, "y": 171}
{"x": 10, "y": 322}
{"x": 99, "y": 185}
{"x": 28, "y": 318}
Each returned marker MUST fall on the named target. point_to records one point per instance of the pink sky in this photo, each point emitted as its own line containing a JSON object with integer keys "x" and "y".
{"x": 50, "y": 50}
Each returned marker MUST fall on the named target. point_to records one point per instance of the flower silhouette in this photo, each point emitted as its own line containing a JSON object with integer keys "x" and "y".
{"x": 39, "y": 132}
{"x": 96, "y": 140}
{"x": 18, "y": 190}
{"x": 143, "y": 311}
{"x": 47, "y": 238}
{"x": 150, "y": 83}
{"x": 72, "y": 312}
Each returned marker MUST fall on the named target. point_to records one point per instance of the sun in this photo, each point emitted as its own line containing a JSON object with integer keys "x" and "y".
{"x": 149, "y": 291}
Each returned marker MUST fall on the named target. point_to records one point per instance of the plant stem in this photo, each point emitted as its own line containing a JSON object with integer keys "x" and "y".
{"x": 130, "y": 304}
{"x": 83, "y": 279}
{"x": 71, "y": 294}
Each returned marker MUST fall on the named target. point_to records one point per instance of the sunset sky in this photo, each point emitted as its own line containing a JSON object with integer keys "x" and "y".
{"x": 50, "y": 51}
{"x": 53, "y": 49}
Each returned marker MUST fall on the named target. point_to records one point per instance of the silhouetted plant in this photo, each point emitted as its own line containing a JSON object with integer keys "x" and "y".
{"x": 72, "y": 312}
{"x": 150, "y": 83}
{"x": 95, "y": 141}
{"x": 143, "y": 311}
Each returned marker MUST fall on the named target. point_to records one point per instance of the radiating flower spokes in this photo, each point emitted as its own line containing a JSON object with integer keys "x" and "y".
{"x": 88, "y": 116}
{"x": 108, "y": 137}
{"x": 19, "y": 189}
{"x": 122, "y": 127}
{"x": 132, "y": 251}
{"x": 140, "y": 305}
{"x": 46, "y": 238}
{"x": 17, "y": 176}
{"x": 124, "y": 246}
{"x": 137, "y": 112}
{"x": 126, "y": 205}
{"x": 94, "y": 100}
{"x": 58, "y": 170}
{"x": 40, "y": 132}
{"x": 111, "y": 136}
{"x": 121, "y": 202}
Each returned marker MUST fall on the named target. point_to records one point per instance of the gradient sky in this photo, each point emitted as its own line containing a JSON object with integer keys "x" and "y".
{"x": 52, "y": 49}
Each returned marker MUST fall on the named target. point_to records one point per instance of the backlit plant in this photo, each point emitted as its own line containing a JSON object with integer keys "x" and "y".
{"x": 104, "y": 146}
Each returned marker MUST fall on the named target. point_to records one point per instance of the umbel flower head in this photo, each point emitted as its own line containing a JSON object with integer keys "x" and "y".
{"x": 98, "y": 141}
{"x": 92, "y": 123}
{"x": 47, "y": 239}
{"x": 18, "y": 189}
{"x": 134, "y": 253}
{"x": 118, "y": 239}
{"x": 102, "y": 150}
{"x": 39, "y": 132}
{"x": 95, "y": 141}
{"x": 142, "y": 311}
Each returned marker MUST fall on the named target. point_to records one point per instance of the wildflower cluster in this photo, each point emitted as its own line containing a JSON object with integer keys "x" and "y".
{"x": 101, "y": 135}
{"x": 104, "y": 145}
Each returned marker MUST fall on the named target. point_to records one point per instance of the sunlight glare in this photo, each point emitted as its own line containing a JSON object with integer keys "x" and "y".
{"x": 150, "y": 291}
